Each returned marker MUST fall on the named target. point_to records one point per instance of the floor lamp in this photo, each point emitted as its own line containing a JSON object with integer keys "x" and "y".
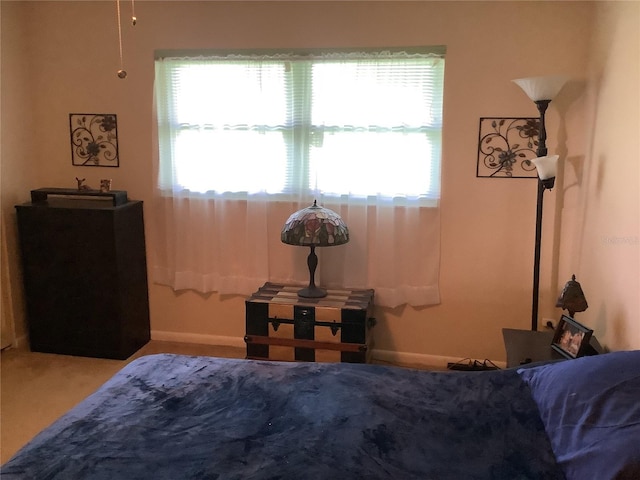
{"x": 541, "y": 90}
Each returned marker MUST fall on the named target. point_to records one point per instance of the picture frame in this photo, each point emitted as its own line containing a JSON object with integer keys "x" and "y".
{"x": 571, "y": 339}
{"x": 506, "y": 146}
{"x": 94, "y": 139}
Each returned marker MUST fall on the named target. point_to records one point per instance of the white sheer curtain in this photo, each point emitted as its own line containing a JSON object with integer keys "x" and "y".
{"x": 208, "y": 239}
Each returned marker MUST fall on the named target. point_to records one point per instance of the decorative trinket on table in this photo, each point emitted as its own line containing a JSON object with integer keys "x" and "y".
{"x": 105, "y": 185}
{"x": 81, "y": 184}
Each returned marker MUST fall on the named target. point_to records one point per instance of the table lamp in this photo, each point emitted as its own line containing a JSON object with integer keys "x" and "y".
{"x": 572, "y": 298}
{"x": 313, "y": 227}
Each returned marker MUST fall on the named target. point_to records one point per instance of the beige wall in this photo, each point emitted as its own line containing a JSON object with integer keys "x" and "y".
{"x": 605, "y": 248}
{"x": 487, "y": 224}
{"x": 18, "y": 160}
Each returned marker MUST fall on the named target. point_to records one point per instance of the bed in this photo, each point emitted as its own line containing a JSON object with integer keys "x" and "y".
{"x": 183, "y": 417}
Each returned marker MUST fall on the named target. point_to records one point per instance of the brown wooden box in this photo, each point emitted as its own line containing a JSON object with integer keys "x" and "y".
{"x": 336, "y": 328}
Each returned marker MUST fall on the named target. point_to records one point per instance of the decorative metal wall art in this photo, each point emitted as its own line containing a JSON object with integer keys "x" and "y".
{"x": 506, "y": 147}
{"x": 94, "y": 139}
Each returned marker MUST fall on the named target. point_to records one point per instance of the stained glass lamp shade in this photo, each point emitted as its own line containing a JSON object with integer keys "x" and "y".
{"x": 572, "y": 298}
{"x": 313, "y": 227}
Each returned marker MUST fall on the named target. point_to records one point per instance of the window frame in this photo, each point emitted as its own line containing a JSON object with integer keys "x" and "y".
{"x": 430, "y": 199}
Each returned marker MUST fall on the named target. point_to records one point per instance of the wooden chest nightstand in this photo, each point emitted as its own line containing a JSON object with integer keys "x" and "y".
{"x": 282, "y": 326}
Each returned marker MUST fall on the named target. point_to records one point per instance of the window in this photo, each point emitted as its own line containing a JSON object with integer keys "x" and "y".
{"x": 244, "y": 140}
{"x": 361, "y": 124}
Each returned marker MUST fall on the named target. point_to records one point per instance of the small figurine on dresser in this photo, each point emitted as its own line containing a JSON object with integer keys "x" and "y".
{"x": 81, "y": 185}
{"x": 105, "y": 185}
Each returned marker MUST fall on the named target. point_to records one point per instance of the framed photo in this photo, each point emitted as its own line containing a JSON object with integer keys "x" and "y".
{"x": 571, "y": 339}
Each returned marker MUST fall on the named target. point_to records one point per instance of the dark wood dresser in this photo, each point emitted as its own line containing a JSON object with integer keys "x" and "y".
{"x": 85, "y": 273}
{"x": 336, "y": 328}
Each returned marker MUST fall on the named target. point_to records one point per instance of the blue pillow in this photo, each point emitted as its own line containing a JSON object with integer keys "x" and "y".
{"x": 590, "y": 408}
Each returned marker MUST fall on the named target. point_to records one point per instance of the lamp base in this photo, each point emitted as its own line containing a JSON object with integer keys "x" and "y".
{"x": 312, "y": 292}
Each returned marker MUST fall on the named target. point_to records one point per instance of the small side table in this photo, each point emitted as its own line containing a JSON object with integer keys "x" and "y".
{"x": 526, "y": 346}
{"x": 282, "y": 326}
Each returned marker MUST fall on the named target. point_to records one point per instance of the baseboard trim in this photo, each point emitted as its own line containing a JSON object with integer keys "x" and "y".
{"x": 420, "y": 360}
{"x": 22, "y": 341}
{"x": 198, "y": 338}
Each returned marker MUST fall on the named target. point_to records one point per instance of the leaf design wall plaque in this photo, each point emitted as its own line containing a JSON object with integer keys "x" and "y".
{"x": 506, "y": 147}
{"x": 94, "y": 139}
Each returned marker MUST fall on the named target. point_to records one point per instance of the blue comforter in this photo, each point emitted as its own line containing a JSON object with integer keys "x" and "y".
{"x": 179, "y": 417}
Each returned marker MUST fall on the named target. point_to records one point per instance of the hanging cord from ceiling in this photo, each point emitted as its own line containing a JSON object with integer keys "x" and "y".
{"x": 122, "y": 73}
{"x": 134, "y": 20}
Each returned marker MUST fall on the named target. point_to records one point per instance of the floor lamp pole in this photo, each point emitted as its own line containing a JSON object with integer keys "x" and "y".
{"x": 541, "y": 152}
{"x": 536, "y": 259}
{"x": 541, "y": 90}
